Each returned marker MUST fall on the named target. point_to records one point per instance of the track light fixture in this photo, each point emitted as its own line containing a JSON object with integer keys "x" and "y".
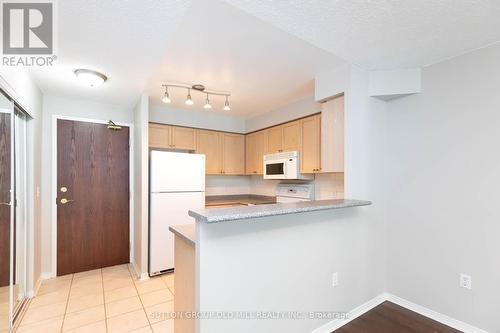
{"x": 199, "y": 88}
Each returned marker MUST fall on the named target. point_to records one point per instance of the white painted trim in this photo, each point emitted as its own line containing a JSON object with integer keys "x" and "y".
{"x": 363, "y": 308}
{"x": 138, "y": 274}
{"x": 53, "y": 272}
{"x": 36, "y": 288}
{"x": 351, "y": 315}
{"x": 443, "y": 319}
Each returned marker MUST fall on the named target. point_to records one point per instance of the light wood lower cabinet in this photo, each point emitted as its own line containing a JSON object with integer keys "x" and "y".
{"x": 233, "y": 148}
{"x": 185, "y": 284}
{"x": 210, "y": 144}
{"x": 255, "y": 150}
{"x": 310, "y": 158}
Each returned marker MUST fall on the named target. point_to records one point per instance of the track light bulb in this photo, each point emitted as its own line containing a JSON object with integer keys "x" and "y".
{"x": 207, "y": 104}
{"x": 189, "y": 100}
{"x": 226, "y": 105}
{"x": 166, "y": 98}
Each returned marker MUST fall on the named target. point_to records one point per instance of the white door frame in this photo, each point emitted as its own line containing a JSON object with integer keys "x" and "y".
{"x": 54, "y": 183}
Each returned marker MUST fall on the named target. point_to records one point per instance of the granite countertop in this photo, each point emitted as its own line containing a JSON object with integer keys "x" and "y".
{"x": 214, "y": 215}
{"x": 185, "y": 231}
{"x": 238, "y": 199}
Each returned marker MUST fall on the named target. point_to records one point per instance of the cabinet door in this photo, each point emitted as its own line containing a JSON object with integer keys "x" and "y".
{"x": 274, "y": 140}
{"x": 332, "y": 135}
{"x": 209, "y": 143}
{"x": 291, "y": 136}
{"x": 183, "y": 138}
{"x": 233, "y": 154}
{"x": 255, "y": 143}
{"x": 310, "y": 158}
{"x": 159, "y": 136}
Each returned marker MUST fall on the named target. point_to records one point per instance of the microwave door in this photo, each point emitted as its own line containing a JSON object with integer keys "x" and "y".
{"x": 275, "y": 170}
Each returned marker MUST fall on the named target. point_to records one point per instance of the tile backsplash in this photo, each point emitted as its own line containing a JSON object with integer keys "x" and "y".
{"x": 327, "y": 186}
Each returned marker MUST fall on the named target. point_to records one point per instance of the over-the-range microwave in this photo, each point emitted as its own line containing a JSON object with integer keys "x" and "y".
{"x": 283, "y": 166}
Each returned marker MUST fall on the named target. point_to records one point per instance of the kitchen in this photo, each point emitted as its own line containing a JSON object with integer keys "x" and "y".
{"x": 236, "y": 166}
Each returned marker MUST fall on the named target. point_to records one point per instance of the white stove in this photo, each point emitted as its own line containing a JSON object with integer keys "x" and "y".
{"x": 294, "y": 192}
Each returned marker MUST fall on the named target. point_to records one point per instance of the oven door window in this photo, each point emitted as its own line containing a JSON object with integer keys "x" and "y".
{"x": 275, "y": 169}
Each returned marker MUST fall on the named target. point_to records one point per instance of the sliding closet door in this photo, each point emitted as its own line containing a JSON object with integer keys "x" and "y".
{"x": 20, "y": 215}
{"x": 6, "y": 209}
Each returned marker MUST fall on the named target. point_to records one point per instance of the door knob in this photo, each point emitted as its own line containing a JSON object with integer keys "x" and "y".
{"x": 65, "y": 201}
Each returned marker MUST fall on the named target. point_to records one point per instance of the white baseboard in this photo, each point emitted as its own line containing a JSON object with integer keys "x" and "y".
{"x": 353, "y": 314}
{"x": 443, "y": 319}
{"x": 47, "y": 275}
{"x": 363, "y": 308}
{"x": 141, "y": 276}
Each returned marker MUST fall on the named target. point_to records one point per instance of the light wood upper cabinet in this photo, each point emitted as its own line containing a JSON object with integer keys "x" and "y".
{"x": 159, "y": 136}
{"x": 233, "y": 154}
{"x": 183, "y": 138}
{"x": 274, "y": 140}
{"x": 291, "y": 136}
{"x": 210, "y": 144}
{"x": 332, "y": 135}
{"x": 310, "y": 159}
{"x": 172, "y": 137}
{"x": 256, "y": 146}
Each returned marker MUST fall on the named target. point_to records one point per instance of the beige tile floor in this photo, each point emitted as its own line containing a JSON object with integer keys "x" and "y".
{"x": 102, "y": 300}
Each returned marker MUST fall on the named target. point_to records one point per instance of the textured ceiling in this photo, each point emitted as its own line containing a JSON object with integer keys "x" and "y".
{"x": 224, "y": 48}
{"x": 382, "y": 34}
{"x": 125, "y": 39}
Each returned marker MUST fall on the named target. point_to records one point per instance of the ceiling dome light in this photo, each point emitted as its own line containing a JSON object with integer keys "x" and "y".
{"x": 89, "y": 77}
{"x": 226, "y": 105}
{"x": 166, "y": 98}
{"x": 189, "y": 100}
{"x": 207, "y": 104}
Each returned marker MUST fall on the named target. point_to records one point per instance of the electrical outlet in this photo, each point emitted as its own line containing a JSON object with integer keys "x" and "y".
{"x": 465, "y": 281}
{"x": 335, "y": 279}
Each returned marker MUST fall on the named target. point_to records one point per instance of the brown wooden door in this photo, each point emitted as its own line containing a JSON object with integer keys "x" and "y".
{"x": 93, "y": 227}
{"x": 5, "y": 156}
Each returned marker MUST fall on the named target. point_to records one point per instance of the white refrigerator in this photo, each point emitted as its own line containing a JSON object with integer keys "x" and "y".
{"x": 176, "y": 185}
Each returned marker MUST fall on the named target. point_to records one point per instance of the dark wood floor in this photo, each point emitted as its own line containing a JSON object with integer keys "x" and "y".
{"x": 391, "y": 318}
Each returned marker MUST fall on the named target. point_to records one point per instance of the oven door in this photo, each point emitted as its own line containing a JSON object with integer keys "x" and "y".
{"x": 275, "y": 169}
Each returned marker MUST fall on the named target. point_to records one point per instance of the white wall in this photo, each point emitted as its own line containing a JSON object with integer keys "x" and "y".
{"x": 285, "y": 262}
{"x": 141, "y": 187}
{"x": 189, "y": 118}
{"x": 442, "y": 180}
{"x": 18, "y": 83}
{"x": 298, "y": 109}
{"x": 61, "y": 106}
